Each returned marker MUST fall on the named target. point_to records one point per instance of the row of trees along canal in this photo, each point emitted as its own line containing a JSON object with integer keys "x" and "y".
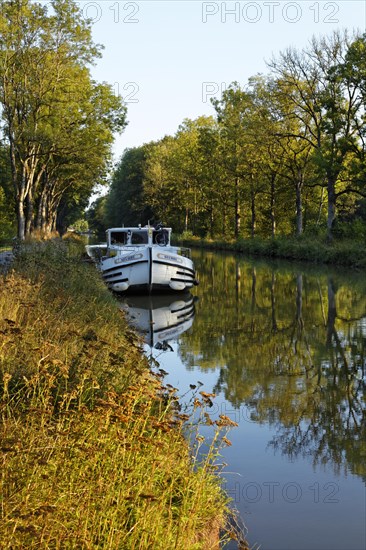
{"x": 57, "y": 123}
{"x": 283, "y": 152}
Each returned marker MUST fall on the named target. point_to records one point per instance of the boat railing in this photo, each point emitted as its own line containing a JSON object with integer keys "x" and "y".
{"x": 96, "y": 251}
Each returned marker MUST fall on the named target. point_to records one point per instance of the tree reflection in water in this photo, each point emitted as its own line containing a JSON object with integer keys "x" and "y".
{"x": 289, "y": 344}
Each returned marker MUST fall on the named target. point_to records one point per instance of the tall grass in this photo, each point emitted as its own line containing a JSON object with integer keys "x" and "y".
{"x": 93, "y": 449}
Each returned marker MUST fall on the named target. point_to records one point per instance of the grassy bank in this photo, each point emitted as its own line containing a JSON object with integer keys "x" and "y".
{"x": 93, "y": 453}
{"x": 345, "y": 252}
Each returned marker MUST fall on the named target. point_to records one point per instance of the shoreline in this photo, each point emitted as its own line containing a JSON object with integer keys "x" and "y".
{"x": 349, "y": 254}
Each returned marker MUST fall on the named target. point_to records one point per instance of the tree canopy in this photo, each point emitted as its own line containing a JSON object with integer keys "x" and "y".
{"x": 283, "y": 154}
{"x": 56, "y": 121}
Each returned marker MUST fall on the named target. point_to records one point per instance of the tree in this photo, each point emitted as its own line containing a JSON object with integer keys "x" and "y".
{"x": 177, "y": 180}
{"x": 288, "y": 147}
{"x": 126, "y": 203}
{"x": 232, "y": 111}
{"x": 161, "y": 190}
{"x": 189, "y": 170}
{"x": 80, "y": 149}
{"x": 276, "y": 151}
{"x": 96, "y": 216}
{"x": 328, "y": 106}
{"x": 50, "y": 105}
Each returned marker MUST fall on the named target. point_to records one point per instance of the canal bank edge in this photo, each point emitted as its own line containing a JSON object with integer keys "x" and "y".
{"x": 345, "y": 253}
{"x": 78, "y": 401}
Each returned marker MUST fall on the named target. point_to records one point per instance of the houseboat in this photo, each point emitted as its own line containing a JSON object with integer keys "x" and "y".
{"x": 142, "y": 259}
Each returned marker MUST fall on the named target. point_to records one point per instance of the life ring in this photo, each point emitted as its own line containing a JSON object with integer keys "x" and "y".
{"x": 161, "y": 238}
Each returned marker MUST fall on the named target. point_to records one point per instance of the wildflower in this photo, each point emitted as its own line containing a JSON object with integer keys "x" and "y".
{"x": 225, "y": 421}
{"x": 209, "y": 422}
{"x": 206, "y": 395}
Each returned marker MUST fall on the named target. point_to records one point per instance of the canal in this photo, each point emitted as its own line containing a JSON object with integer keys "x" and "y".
{"x": 283, "y": 348}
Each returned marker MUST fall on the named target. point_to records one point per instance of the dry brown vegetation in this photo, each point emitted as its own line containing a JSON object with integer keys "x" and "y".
{"x": 91, "y": 443}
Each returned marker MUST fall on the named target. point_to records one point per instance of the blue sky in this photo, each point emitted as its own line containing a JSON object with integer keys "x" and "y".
{"x": 167, "y": 58}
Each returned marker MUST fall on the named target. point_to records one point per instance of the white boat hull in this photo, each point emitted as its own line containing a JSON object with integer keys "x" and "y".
{"x": 142, "y": 259}
{"x": 148, "y": 269}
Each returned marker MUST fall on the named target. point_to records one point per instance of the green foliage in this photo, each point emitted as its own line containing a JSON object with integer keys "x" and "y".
{"x": 96, "y": 216}
{"x": 125, "y": 204}
{"x": 59, "y": 128}
{"x": 284, "y": 155}
{"x": 80, "y": 225}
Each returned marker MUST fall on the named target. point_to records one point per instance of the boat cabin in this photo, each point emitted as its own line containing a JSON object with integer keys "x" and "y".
{"x": 134, "y": 236}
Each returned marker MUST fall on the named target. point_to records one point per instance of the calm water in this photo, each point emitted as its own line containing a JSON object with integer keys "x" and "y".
{"x": 284, "y": 349}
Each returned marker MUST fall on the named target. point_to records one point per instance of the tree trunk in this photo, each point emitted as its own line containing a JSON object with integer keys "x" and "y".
{"x": 299, "y": 208}
{"x": 18, "y": 190}
{"x": 237, "y": 209}
{"x": 53, "y": 211}
{"x": 40, "y": 210}
{"x": 186, "y": 217}
{"x": 195, "y": 213}
{"x": 211, "y": 221}
{"x": 29, "y": 213}
{"x": 320, "y": 206}
{"x": 21, "y": 219}
{"x": 54, "y": 221}
{"x": 254, "y": 215}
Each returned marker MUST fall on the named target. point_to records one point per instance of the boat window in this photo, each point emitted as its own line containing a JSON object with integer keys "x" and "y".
{"x": 161, "y": 237}
{"x": 118, "y": 238}
{"x": 139, "y": 238}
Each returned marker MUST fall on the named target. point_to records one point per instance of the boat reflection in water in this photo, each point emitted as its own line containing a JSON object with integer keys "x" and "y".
{"x": 160, "y": 317}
